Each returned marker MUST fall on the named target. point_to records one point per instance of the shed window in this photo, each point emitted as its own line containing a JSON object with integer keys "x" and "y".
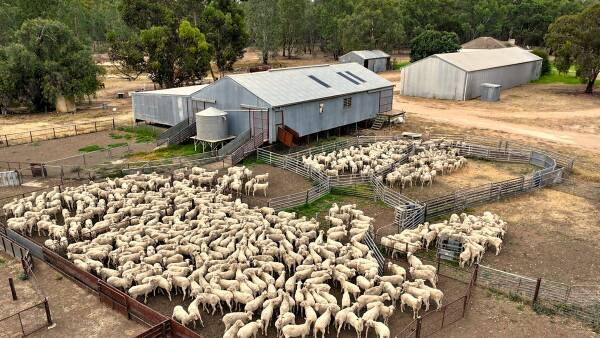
{"x": 321, "y": 108}
{"x": 347, "y": 102}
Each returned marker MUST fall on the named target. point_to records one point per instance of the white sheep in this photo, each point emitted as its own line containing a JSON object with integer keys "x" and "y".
{"x": 414, "y": 303}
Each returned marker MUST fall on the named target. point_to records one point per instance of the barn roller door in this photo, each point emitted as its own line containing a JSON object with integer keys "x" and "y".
{"x": 385, "y": 100}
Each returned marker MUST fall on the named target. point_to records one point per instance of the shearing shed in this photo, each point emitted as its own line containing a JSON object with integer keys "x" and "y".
{"x": 459, "y": 76}
{"x": 305, "y": 100}
{"x": 374, "y": 60}
{"x": 166, "y": 106}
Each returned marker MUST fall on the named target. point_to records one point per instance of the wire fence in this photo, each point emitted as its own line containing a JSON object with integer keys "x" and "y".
{"x": 546, "y": 296}
{"x": 31, "y": 136}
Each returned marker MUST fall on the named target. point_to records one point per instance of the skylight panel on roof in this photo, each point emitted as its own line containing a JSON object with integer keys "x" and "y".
{"x": 355, "y": 76}
{"x": 314, "y": 78}
{"x": 348, "y": 78}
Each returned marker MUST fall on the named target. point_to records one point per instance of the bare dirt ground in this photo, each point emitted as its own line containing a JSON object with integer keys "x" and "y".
{"x": 558, "y": 113}
{"x": 76, "y": 312}
{"x": 495, "y": 316}
{"x": 475, "y": 173}
{"x": 87, "y": 111}
{"x": 49, "y": 150}
{"x": 551, "y": 234}
{"x": 281, "y": 183}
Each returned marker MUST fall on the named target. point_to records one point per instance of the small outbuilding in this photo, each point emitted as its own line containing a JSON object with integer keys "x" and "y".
{"x": 459, "y": 76}
{"x": 374, "y": 60}
{"x": 167, "y": 107}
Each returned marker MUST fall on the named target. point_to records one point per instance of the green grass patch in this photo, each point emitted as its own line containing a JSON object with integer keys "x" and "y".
{"x": 565, "y": 78}
{"x": 320, "y": 205}
{"x": 90, "y": 148}
{"x": 397, "y": 65}
{"x": 252, "y": 161}
{"x": 121, "y": 136}
{"x": 142, "y": 134}
{"x": 23, "y": 276}
{"x": 2, "y": 262}
{"x": 116, "y": 145}
{"x": 176, "y": 150}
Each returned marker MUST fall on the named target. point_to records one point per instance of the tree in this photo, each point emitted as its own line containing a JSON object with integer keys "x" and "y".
{"x": 545, "y": 60}
{"x": 374, "y": 24}
{"x": 264, "y": 33}
{"x": 431, "y": 42}
{"x": 223, "y": 23}
{"x": 126, "y": 53}
{"x": 291, "y": 20}
{"x": 46, "y": 61}
{"x": 175, "y": 57}
{"x": 331, "y": 25}
{"x": 575, "y": 40}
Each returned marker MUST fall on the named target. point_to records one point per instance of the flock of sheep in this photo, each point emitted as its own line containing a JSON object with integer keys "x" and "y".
{"x": 475, "y": 233}
{"x": 238, "y": 180}
{"x": 425, "y": 166}
{"x": 364, "y": 160}
{"x": 183, "y": 234}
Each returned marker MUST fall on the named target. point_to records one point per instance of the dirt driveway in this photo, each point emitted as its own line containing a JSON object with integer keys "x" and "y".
{"x": 558, "y": 113}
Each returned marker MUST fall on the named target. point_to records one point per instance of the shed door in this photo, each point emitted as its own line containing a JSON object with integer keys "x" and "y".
{"x": 260, "y": 123}
{"x": 385, "y": 100}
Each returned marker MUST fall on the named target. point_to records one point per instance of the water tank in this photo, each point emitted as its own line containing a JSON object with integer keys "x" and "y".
{"x": 490, "y": 92}
{"x": 211, "y": 124}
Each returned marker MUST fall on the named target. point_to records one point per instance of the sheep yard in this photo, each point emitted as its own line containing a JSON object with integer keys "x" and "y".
{"x": 139, "y": 204}
{"x": 182, "y": 217}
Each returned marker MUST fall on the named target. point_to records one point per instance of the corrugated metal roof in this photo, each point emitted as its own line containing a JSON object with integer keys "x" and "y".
{"x": 474, "y": 60}
{"x": 211, "y": 111}
{"x": 180, "y": 91}
{"x": 486, "y": 42}
{"x": 285, "y": 86}
{"x": 370, "y": 54}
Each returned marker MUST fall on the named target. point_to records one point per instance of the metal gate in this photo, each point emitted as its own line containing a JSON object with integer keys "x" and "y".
{"x": 10, "y": 179}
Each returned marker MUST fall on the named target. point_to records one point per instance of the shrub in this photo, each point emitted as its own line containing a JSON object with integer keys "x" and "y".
{"x": 546, "y": 68}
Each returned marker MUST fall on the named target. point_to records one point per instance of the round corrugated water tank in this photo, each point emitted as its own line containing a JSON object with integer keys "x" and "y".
{"x": 211, "y": 124}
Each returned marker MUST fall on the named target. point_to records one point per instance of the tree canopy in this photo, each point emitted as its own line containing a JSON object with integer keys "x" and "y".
{"x": 45, "y": 61}
{"x": 575, "y": 40}
{"x": 431, "y": 42}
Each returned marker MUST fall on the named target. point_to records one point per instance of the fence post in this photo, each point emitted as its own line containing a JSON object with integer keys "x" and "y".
{"x": 75, "y": 130}
{"x": 47, "y": 308}
{"x": 31, "y": 136}
{"x": 54, "y": 132}
{"x": 12, "y": 288}
{"x": 418, "y": 328}
{"x": 95, "y": 126}
{"x": 113, "y": 123}
{"x": 536, "y": 292}
{"x": 307, "y": 192}
{"x": 438, "y": 262}
{"x": 6, "y": 139}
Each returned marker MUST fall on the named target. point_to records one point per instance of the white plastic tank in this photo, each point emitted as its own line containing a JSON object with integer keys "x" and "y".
{"x": 211, "y": 124}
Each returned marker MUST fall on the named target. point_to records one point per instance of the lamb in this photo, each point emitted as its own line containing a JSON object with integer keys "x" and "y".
{"x": 293, "y": 330}
{"x": 143, "y": 289}
{"x": 261, "y": 178}
{"x": 233, "y": 317}
{"x": 382, "y": 330}
{"x": 414, "y": 303}
{"x": 435, "y": 294}
{"x": 283, "y": 320}
{"x": 417, "y": 292}
{"x": 233, "y": 330}
{"x": 183, "y": 317}
{"x": 260, "y": 186}
{"x": 322, "y": 323}
{"x": 250, "y": 329}
{"x": 425, "y": 275}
